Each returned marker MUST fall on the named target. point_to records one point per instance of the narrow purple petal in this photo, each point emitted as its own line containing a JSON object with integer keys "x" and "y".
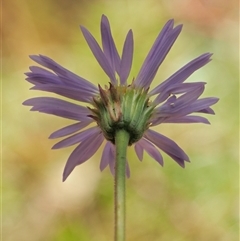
{"x": 190, "y": 96}
{"x": 202, "y": 104}
{"x": 43, "y": 78}
{"x": 108, "y": 158}
{"x": 127, "y": 169}
{"x": 58, "y": 107}
{"x": 112, "y": 158}
{"x": 139, "y": 151}
{"x": 40, "y": 76}
{"x": 207, "y": 110}
{"x": 109, "y": 47}
{"x": 39, "y": 70}
{"x": 79, "y": 137}
{"x": 67, "y": 91}
{"x": 185, "y": 119}
{"x": 168, "y": 146}
{"x": 177, "y": 89}
{"x": 99, "y": 55}
{"x": 62, "y": 82}
{"x": 70, "y": 129}
{"x": 127, "y": 56}
{"x": 178, "y": 106}
{"x": 157, "y": 54}
{"x": 162, "y": 35}
{"x": 188, "y": 108}
{"x": 82, "y": 153}
{"x": 182, "y": 74}
{"x": 151, "y": 150}
{"x": 49, "y": 78}
{"x": 105, "y": 160}
{"x": 178, "y": 160}
{"x": 60, "y": 71}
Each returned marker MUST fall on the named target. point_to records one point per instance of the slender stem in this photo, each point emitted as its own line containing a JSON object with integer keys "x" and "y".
{"x": 121, "y": 142}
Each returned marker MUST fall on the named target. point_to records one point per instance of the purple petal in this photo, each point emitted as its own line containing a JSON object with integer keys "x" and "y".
{"x": 69, "y": 92}
{"x": 185, "y": 119}
{"x": 190, "y": 96}
{"x": 202, "y": 104}
{"x": 168, "y": 146}
{"x": 151, "y": 150}
{"x": 127, "y": 56}
{"x": 207, "y": 110}
{"x": 43, "y": 78}
{"x": 196, "y": 106}
{"x": 79, "y": 137}
{"x": 99, "y": 55}
{"x": 82, "y": 153}
{"x": 178, "y": 106}
{"x": 39, "y": 70}
{"x": 109, "y": 47}
{"x": 177, "y": 89}
{"x": 108, "y": 158}
{"x": 182, "y": 74}
{"x": 62, "y": 72}
{"x": 63, "y": 82}
{"x": 127, "y": 169}
{"x": 70, "y": 129}
{"x": 112, "y": 159}
{"x": 58, "y": 107}
{"x": 157, "y": 54}
{"x": 139, "y": 151}
{"x": 40, "y": 76}
{"x": 105, "y": 160}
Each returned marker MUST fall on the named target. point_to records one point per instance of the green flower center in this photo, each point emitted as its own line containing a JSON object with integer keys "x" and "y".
{"x": 122, "y": 107}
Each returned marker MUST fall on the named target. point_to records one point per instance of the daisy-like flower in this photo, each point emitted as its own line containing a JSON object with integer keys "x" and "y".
{"x": 123, "y": 105}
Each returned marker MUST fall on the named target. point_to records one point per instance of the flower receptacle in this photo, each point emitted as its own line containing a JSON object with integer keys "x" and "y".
{"x": 122, "y": 107}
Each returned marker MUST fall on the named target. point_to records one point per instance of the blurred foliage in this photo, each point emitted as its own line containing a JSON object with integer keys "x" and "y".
{"x": 197, "y": 203}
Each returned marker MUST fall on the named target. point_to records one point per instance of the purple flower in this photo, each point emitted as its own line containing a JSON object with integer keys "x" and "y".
{"x": 122, "y": 105}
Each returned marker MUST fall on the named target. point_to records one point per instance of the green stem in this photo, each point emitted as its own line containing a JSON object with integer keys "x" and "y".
{"x": 121, "y": 142}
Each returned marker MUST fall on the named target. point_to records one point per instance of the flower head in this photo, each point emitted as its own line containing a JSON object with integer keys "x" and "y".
{"x": 130, "y": 106}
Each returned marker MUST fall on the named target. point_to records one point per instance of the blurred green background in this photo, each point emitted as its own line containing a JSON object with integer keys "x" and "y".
{"x": 197, "y": 203}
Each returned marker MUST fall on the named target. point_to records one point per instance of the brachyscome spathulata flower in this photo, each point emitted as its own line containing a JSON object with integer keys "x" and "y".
{"x": 131, "y": 105}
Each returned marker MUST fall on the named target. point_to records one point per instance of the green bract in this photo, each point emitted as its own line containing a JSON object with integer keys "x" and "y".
{"x": 122, "y": 107}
